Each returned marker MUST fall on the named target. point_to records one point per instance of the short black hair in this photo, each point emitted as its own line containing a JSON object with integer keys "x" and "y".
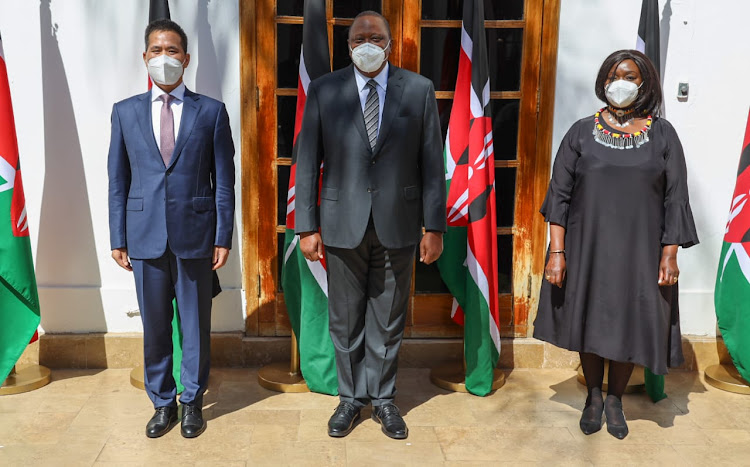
{"x": 167, "y": 25}
{"x": 375, "y": 14}
{"x": 649, "y": 97}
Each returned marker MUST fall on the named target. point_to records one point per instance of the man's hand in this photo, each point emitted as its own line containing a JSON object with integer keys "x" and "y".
{"x": 221, "y": 255}
{"x": 311, "y": 245}
{"x": 120, "y": 256}
{"x": 430, "y": 247}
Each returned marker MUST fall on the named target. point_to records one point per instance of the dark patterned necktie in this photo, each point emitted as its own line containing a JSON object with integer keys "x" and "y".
{"x": 166, "y": 129}
{"x": 372, "y": 113}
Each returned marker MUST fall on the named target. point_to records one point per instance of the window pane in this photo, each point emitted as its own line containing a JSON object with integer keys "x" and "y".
{"x": 444, "y": 109}
{"x": 453, "y": 9}
{"x": 288, "y": 43}
{"x": 341, "y": 47}
{"x": 439, "y": 56}
{"x": 505, "y": 128}
{"x": 504, "y": 263}
{"x": 505, "y": 195}
{"x": 280, "y": 260}
{"x": 427, "y": 278}
{"x": 282, "y": 190}
{"x": 286, "y": 110}
{"x": 351, "y": 8}
{"x": 290, "y": 7}
{"x": 505, "y": 52}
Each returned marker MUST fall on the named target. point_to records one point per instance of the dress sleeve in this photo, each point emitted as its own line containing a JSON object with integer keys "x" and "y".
{"x": 556, "y": 203}
{"x": 679, "y": 227}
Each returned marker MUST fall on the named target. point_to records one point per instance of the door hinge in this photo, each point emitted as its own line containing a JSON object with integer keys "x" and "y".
{"x": 538, "y": 99}
{"x": 257, "y": 98}
{"x": 528, "y": 288}
{"x": 258, "y": 285}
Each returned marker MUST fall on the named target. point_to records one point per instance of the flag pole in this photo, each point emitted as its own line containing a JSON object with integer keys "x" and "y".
{"x": 282, "y": 376}
{"x": 452, "y": 376}
{"x": 24, "y": 379}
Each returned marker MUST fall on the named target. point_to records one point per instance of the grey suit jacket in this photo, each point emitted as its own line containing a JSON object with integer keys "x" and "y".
{"x": 401, "y": 181}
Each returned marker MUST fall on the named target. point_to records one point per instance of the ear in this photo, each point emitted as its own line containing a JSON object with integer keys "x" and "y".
{"x": 187, "y": 61}
{"x": 144, "y": 59}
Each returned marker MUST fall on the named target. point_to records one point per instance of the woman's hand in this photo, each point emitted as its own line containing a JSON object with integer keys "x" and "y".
{"x": 554, "y": 272}
{"x": 668, "y": 270}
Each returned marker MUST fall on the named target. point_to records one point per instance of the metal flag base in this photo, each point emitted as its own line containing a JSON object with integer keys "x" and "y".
{"x": 727, "y": 378}
{"x": 137, "y": 377}
{"x": 452, "y": 377}
{"x": 284, "y": 377}
{"x": 637, "y": 382}
{"x": 24, "y": 379}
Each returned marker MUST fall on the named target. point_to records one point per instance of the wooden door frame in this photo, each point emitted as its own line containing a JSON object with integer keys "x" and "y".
{"x": 253, "y": 90}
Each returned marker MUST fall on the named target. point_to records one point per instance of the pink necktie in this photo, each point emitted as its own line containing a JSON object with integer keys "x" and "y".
{"x": 166, "y": 128}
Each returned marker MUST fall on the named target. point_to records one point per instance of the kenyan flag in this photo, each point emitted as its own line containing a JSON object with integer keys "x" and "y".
{"x": 468, "y": 264}
{"x": 306, "y": 283}
{"x": 19, "y": 303}
{"x": 732, "y": 293}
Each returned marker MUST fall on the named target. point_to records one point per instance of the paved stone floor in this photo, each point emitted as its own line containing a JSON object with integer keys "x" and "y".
{"x": 95, "y": 417}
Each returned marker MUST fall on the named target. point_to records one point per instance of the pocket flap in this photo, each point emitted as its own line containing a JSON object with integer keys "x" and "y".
{"x": 134, "y": 204}
{"x": 329, "y": 193}
{"x": 203, "y": 204}
{"x": 411, "y": 192}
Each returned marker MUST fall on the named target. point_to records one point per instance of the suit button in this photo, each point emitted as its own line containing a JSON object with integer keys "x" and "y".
{"x": 369, "y": 190}
{"x": 372, "y": 163}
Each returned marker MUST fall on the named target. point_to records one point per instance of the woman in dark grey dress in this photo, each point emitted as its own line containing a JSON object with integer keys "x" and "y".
{"x": 618, "y": 209}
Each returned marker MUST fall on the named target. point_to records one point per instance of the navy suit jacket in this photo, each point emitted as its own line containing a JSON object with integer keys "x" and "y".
{"x": 188, "y": 204}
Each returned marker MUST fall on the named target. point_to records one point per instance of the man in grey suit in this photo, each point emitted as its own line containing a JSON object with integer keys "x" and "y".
{"x": 376, "y": 130}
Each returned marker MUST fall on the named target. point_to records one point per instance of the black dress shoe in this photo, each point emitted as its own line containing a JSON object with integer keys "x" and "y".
{"x": 591, "y": 418}
{"x": 616, "y": 424}
{"x": 342, "y": 421}
{"x": 164, "y": 418}
{"x": 390, "y": 421}
{"x": 192, "y": 421}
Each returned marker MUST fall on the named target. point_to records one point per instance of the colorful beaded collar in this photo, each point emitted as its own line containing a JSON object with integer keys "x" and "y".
{"x": 615, "y": 140}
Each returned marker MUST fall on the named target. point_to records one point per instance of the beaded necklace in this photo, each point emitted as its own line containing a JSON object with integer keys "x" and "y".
{"x": 620, "y": 140}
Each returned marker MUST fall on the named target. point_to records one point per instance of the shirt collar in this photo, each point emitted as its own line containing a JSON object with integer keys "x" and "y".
{"x": 178, "y": 93}
{"x": 381, "y": 78}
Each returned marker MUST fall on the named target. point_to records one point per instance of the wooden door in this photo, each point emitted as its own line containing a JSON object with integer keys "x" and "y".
{"x": 426, "y": 39}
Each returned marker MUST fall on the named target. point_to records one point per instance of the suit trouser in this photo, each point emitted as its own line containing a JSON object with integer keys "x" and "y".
{"x": 368, "y": 295}
{"x": 157, "y": 282}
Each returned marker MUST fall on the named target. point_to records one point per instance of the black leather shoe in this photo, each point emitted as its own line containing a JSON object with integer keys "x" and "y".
{"x": 616, "y": 424}
{"x": 591, "y": 418}
{"x": 192, "y": 421}
{"x": 164, "y": 418}
{"x": 342, "y": 421}
{"x": 390, "y": 421}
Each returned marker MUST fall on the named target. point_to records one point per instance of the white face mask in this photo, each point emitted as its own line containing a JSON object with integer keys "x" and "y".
{"x": 165, "y": 70}
{"x": 621, "y": 93}
{"x": 368, "y": 57}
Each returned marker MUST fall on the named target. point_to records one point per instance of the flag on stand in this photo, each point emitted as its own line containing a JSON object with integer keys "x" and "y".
{"x": 648, "y": 42}
{"x": 468, "y": 264}
{"x": 732, "y": 293}
{"x": 305, "y": 283}
{"x": 19, "y": 301}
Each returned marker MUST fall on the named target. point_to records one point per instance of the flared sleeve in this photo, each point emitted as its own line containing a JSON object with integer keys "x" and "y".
{"x": 679, "y": 227}
{"x": 556, "y": 203}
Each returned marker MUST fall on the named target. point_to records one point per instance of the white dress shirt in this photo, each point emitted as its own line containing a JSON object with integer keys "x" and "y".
{"x": 364, "y": 90}
{"x": 179, "y": 95}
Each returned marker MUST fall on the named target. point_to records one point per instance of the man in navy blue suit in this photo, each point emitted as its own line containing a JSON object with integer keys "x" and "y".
{"x": 171, "y": 209}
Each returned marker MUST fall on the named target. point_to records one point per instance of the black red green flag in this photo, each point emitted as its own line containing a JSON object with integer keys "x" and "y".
{"x": 305, "y": 283}
{"x": 19, "y": 300}
{"x": 468, "y": 264}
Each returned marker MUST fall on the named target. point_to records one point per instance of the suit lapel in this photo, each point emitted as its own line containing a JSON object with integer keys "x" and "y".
{"x": 144, "y": 122}
{"x": 350, "y": 98}
{"x": 190, "y": 108}
{"x": 393, "y": 94}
